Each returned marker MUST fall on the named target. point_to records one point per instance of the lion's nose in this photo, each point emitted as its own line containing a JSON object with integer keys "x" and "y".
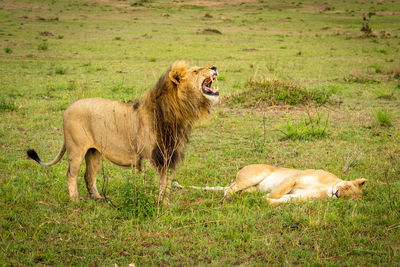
{"x": 214, "y": 69}
{"x": 337, "y": 193}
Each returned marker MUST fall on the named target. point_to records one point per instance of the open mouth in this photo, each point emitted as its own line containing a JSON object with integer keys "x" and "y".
{"x": 206, "y": 87}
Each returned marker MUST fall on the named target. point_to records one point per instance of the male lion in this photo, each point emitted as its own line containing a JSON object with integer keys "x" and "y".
{"x": 156, "y": 127}
{"x": 285, "y": 185}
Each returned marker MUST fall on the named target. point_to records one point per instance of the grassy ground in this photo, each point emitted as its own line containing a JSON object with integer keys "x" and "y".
{"x": 55, "y": 52}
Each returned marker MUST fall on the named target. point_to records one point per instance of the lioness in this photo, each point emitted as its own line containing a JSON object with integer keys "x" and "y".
{"x": 286, "y": 185}
{"x": 156, "y": 127}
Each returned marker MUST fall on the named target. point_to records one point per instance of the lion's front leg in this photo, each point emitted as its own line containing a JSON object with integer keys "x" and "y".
{"x": 163, "y": 189}
{"x": 283, "y": 199}
{"x": 293, "y": 197}
{"x": 166, "y": 200}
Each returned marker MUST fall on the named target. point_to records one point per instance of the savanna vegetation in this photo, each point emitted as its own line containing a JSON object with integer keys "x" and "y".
{"x": 304, "y": 84}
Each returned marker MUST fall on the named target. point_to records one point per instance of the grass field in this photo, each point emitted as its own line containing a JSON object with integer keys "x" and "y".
{"x": 55, "y": 52}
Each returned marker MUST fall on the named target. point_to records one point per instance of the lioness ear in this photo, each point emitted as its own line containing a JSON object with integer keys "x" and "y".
{"x": 361, "y": 181}
{"x": 177, "y": 72}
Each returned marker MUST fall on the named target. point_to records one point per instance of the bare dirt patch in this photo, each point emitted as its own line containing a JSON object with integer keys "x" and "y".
{"x": 222, "y": 3}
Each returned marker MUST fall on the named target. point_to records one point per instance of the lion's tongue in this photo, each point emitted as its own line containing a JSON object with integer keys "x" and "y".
{"x": 213, "y": 91}
{"x": 208, "y": 88}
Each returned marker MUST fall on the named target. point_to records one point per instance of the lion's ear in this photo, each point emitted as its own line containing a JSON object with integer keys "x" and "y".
{"x": 361, "y": 181}
{"x": 178, "y": 72}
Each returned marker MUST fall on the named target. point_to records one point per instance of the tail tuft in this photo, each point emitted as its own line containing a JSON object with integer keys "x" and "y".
{"x": 33, "y": 155}
{"x": 176, "y": 184}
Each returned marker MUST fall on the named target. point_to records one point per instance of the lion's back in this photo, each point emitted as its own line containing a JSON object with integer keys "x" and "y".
{"x": 94, "y": 107}
{"x": 96, "y": 114}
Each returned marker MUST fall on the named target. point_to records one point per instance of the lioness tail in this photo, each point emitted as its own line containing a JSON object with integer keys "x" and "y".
{"x": 212, "y": 188}
{"x": 33, "y": 155}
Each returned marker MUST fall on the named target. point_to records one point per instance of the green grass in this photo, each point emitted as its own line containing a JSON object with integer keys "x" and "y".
{"x": 383, "y": 117}
{"x": 7, "y": 105}
{"x": 137, "y": 200}
{"x": 308, "y": 128}
{"x": 60, "y": 70}
{"x": 43, "y": 46}
{"x": 323, "y": 65}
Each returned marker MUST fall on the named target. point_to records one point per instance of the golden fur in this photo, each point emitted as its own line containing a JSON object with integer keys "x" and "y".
{"x": 285, "y": 185}
{"x": 155, "y": 127}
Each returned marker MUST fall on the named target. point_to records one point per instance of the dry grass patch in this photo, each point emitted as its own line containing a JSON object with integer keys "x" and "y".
{"x": 360, "y": 78}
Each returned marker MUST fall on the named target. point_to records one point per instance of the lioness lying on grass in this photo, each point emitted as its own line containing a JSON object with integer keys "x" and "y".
{"x": 285, "y": 185}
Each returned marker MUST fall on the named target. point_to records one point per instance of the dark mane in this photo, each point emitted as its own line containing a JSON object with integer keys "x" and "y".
{"x": 174, "y": 116}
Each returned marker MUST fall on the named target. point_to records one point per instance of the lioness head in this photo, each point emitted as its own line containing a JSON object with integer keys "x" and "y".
{"x": 195, "y": 81}
{"x": 348, "y": 188}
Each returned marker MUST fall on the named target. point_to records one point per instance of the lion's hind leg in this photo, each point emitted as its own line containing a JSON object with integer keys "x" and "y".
{"x": 247, "y": 180}
{"x": 93, "y": 161}
{"x": 75, "y": 159}
{"x": 284, "y": 188}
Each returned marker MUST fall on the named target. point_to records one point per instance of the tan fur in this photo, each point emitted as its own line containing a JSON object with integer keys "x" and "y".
{"x": 286, "y": 185}
{"x": 156, "y": 127}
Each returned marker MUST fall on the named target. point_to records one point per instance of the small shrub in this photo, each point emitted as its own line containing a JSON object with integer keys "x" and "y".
{"x": 383, "y": 117}
{"x": 60, "y": 36}
{"x": 271, "y": 68}
{"x": 384, "y": 93}
{"x": 8, "y": 50}
{"x": 153, "y": 59}
{"x": 366, "y": 29}
{"x": 138, "y": 200}
{"x": 383, "y": 51}
{"x": 309, "y": 128}
{"x": 117, "y": 38}
{"x": 6, "y": 105}
{"x": 378, "y": 69}
{"x": 60, "y": 70}
{"x": 321, "y": 96}
{"x": 43, "y": 46}
{"x": 274, "y": 92}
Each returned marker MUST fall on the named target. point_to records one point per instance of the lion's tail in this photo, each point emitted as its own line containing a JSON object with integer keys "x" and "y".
{"x": 212, "y": 188}
{"x": 33, "y": 155}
